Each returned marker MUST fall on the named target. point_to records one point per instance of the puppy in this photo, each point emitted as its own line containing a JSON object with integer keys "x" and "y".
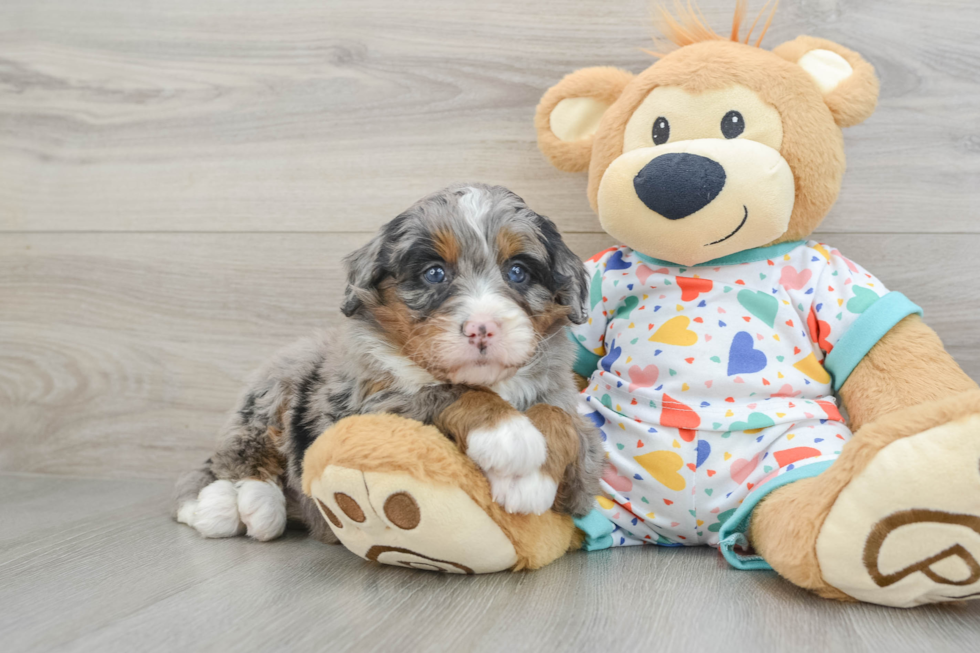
{"x": 456, "y": 317}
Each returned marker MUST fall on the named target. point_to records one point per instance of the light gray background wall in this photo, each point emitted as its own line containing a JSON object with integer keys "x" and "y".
{"x": 179, "y": 180}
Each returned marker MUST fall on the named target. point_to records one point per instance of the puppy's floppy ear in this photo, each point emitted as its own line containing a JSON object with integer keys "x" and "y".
{"x": 569, "y": 113}
{"x": 364, "y": 272}
{"x": 848, "y": 82}
{"x": 568, "y": 273}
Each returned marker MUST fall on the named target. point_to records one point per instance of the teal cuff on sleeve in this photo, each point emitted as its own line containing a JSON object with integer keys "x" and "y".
{"x": 732, "y": 533}
{"x": 877, "y": 320}
{"x": 598, "y": 531}
{"x": 586, "y": 362}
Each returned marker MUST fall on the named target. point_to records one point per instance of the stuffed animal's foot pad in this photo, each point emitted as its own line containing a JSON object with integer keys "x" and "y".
{"x": 906, "y": 530}
{"x": 395, "y": 519}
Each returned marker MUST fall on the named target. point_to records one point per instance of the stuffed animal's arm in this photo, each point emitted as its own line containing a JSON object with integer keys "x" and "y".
{"x": 908, "y": 366}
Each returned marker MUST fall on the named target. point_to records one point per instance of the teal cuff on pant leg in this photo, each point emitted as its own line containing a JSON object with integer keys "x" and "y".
{"x": 598, "y": 531}
{"x": 732, "y": 532}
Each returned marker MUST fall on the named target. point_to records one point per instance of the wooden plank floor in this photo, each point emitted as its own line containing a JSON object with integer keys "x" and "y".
{"x": 178, "y": 183}
{"x": 95, "y": 565}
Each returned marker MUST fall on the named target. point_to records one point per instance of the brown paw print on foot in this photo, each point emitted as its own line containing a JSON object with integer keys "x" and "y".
{"x": 955, "y": 565}
{"x": 395, "y": 519}
{"x": 403, "y": 511}
{"x": 906, "y": 530}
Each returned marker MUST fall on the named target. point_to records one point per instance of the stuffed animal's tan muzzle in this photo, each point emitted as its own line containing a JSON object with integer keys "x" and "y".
{"x": 693, "y": 201}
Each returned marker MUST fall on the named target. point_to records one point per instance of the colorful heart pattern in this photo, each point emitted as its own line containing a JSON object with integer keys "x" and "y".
{"x": 691, "y": 288}
{"x": 862, "y": 300}
{"x": 675, "y": 332}
{"x": 760, "y": 304}
{"x": 643, "y": 377}
{"x": 611, "y": 357}
{"x": 663, "y": 467}
{"x": 616, "y": 262}
{"x": 743, "y": 357}
{"x": 629, "y": 303}
{"x": 741, "y": 468}
{"x": 617, "y": 482}
{"x": 791, "y": 279}
{"x": 812, "y": 368}
{"x": 711, "y": 380}
{"x": 643, "y": 273}
{"x": 755, "y": 423}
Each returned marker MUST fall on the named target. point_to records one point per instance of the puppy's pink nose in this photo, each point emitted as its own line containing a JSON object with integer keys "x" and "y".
{"x": 480, "y": 331}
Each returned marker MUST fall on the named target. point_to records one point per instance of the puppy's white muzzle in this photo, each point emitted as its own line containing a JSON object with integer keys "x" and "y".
{"x": 495, "y": 339}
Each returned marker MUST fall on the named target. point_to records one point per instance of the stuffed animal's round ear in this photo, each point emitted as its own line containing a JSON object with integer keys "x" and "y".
{"x": 848, "y": 82}
{"x": 569, "y": 113}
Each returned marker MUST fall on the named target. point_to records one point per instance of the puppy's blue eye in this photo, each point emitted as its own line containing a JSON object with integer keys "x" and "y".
{"x": 517, "y": 274}
{"x": 435, "y": 274}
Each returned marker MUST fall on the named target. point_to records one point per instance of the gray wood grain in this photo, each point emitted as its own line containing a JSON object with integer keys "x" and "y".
{"x": 96, "y": 565}
{"x": 318, "y": 115}
{"x": 120, "y": 353}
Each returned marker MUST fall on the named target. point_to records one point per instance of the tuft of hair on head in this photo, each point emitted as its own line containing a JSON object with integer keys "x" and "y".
{"x": 686, "y": 25}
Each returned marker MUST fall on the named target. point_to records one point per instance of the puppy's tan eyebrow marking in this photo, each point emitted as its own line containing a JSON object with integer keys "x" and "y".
{"x": 545, "y": 320}
{"x": 508, "y": 245}
{"x": 446, "y": 245}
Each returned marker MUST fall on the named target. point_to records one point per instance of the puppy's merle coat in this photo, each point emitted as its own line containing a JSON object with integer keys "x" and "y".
{"x": 460, "y": 301}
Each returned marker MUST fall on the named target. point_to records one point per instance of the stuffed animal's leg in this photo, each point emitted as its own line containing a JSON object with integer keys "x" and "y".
{"x": 896, "y": 519}
{"x": 398, "y": 492}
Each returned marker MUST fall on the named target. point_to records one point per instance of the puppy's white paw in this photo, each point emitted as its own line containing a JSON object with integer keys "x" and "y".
{"x": 216, "y": 511}
{"x": 532, "y": 493}
{"x": 512, "y": 447}
{"x": 262, "y": 506}
{"x": 185, "y": 514}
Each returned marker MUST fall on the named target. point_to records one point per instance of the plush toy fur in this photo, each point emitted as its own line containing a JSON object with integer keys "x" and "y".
{"x": 418, "y": 461}
{"x": 914, "y": 413}
{"x": 812, "y": 141}
{"x": 886, "y": 393}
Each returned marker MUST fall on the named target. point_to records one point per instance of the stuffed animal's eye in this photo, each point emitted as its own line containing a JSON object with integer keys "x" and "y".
{"x": 732, "y": 125}
{"x": 517, "y": 273}
{"x": 435, "y": 274}
{"x": 661, "y": 131}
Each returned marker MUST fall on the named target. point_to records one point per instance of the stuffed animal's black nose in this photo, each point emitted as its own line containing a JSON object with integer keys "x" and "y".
{"x": 676, "y": 185}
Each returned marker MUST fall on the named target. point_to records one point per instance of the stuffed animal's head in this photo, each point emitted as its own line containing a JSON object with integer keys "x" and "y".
{"x": 718, "y": 147}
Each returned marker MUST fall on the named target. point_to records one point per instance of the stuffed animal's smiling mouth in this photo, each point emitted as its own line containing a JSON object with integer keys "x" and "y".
{"x": 740, "y": 225}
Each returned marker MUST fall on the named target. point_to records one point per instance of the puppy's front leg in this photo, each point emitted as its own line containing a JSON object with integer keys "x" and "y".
{"x": 562, "y": 463}
{"x": 514, "y": 450}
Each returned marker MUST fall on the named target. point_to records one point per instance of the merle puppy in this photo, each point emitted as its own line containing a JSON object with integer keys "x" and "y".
{"x": 459, "y": 303}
